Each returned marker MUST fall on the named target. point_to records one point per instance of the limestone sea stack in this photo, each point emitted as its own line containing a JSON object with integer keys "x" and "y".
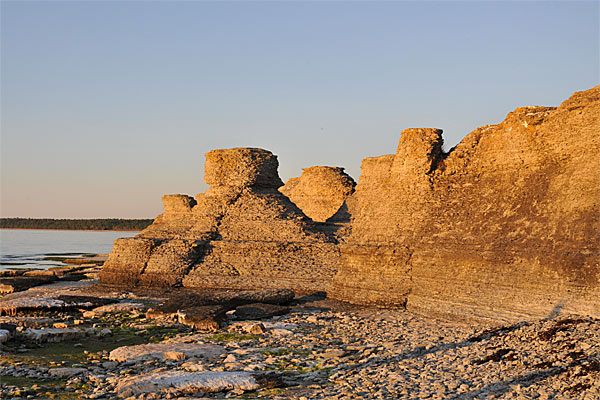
{"x": 242, "y": 233}
{"x": 504, "y": 226}
{"x": 320, "y": 191}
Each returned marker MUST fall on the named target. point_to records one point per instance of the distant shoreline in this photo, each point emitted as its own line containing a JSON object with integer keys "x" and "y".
{"x": 91, "y": 224}
{"x": 66, "y": 229}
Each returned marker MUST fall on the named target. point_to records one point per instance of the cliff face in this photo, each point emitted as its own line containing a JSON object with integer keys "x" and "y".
{"x": 504, "y": 226}
{"x": 242, "y": 233}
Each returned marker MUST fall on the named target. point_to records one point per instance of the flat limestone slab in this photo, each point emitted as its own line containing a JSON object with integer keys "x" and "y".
{"x": 20, "y": 283}
{"x": 186, "y": 381}
{"x": 166, "y": 351}
{"x": 53, "y": 334}
{"x": 14, "y": 305}
{"x": 120, "y": 308}
{"x": 66, "y": 372}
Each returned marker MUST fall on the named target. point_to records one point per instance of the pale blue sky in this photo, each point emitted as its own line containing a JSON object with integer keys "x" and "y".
{"x": 108, "y": 105}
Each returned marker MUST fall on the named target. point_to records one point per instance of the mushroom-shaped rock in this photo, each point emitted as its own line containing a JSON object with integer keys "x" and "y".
{"x": 320, "y": 191}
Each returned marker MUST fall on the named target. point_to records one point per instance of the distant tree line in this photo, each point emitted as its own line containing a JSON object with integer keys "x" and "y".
{"x": 109, "y": 224}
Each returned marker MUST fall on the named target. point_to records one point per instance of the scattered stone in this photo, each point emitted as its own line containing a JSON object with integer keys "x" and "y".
{"x": 253, "y": 328}
{"x": 9, "y": 329}
{"x": 104, "y": 332}
{"x": 109, "y": 364}
{"x": 4, "y": 335}
{"x": 202, "y": 318}
{"x": 333, "y": 353}
{"x": 281, "y": 332}
{"x": 230, "y": 359}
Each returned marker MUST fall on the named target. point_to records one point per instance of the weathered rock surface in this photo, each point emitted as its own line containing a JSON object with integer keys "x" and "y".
{"x": 19, "y": 283}
{"x": 242, "y": 233}
{"x": 259, "y": 311}
{"x": 120, "y": 308}
{"x": 320, "y": 191}
{"x": 166, "y": 351}
{"x": 206, "y": 310}
{"x": 65, "y": 372}
{"x": 50, "y": 302}
{"x": 53, "y": 334}
{"x": 504, "y": 226}
{"x": 203, "y": 318}
{"x": 190, "y": 382}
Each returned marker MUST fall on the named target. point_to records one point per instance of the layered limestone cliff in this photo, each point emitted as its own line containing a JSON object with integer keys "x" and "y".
{"x": 504, "y": 226}
{"x": 242, "y": 233}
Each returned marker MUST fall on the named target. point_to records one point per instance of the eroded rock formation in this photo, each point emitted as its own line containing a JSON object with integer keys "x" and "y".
{"x": 504, "y": 226}
{"x": 242, "y": 233}
{"x": 320, "y": 191}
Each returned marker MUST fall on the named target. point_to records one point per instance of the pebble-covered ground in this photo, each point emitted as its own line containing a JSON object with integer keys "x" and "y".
{"x": 320, "y": 350}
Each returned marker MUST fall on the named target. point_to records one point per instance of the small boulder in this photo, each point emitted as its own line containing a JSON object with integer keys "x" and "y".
{"x": 4, "y": 335}
{"x": 254, "y": 329}
{"x": 7, "y": 331}
{"x": 203, "y": 318}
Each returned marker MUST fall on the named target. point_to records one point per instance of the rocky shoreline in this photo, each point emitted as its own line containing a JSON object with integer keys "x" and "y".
{"x": 133, "y": 346}
{"x": 485, "y": 258}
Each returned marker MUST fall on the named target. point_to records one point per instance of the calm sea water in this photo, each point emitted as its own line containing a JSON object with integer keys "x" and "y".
{"x": 21, "y": 248}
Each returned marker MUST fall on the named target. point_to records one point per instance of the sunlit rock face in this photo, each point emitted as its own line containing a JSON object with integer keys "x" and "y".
{"x": 242, "y": 233}
{"x": 502, "y": 227}
{"x": 320, "y": 191}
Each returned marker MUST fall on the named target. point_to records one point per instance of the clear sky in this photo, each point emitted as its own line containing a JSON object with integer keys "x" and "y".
{"x": 108, "y": 105}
